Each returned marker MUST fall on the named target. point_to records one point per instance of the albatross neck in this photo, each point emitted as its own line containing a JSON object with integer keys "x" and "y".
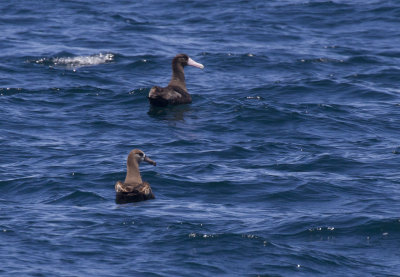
{"x": 178, "y": 76}
{"x": 133, "y": 173}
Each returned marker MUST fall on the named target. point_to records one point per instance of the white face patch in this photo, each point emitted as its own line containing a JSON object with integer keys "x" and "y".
{"x": 141, "y": 157}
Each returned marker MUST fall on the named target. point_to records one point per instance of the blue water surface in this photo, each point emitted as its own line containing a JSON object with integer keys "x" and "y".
{"x": 285, "y": 164}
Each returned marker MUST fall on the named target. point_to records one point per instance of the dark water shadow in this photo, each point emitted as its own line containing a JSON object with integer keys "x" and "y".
{"x": 169, "y": 113}
{"x": 124, "y": 198}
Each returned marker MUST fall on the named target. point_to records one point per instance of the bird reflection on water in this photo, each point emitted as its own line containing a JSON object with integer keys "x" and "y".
{"x": 169, "y": 113}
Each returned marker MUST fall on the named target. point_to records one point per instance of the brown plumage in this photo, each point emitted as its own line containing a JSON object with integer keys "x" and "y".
{"x": 176, "y": 92}
{"x": 133, "y": 189}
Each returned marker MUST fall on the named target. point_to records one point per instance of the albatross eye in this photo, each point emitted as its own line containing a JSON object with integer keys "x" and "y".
{"x": 140, "y": 154}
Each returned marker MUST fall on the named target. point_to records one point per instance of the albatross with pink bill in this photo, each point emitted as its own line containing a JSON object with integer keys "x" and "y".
{"x": 176, "y": 92}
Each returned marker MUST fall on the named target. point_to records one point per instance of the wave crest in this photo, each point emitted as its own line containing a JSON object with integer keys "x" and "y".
{"x": 78, "y": 61}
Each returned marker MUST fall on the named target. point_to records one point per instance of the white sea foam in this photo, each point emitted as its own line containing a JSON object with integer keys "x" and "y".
{"x": 79, "y": 61}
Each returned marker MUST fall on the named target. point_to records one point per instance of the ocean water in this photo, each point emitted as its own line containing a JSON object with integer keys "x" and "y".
{"x": 285, "y": 164}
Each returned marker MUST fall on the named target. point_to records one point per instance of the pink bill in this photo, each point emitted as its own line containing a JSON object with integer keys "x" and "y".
{"x": 195, "y": 64}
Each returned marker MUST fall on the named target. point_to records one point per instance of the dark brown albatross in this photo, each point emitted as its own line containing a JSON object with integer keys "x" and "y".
{"x": 133, "y": 189}
{"x": 176, "y": 92}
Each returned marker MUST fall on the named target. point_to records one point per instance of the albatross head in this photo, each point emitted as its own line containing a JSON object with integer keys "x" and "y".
{"x": 186, "y": 60}
{"x": 139, "y": 156}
